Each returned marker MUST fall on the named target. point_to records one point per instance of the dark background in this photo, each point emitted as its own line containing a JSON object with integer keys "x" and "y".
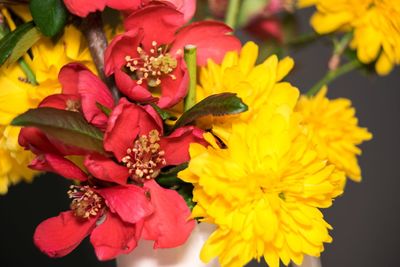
{"x": 366, "y": 219}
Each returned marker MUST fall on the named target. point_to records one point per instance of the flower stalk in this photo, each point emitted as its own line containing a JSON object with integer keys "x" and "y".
{"x": 332, "y": 75}
{"x": 191, "y": 63}
{"x": 232, "y": 13}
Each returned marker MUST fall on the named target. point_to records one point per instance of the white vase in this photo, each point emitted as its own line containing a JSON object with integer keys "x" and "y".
{"x": 309, "y": 261}
{"x": 184, "y": 256}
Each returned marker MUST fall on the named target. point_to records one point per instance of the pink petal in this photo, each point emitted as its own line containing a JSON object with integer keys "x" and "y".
{"x": 202, "y": 34}
{"x": 159, "y": 23}
{"x": 174, "y": 90}
{"x": 58, "y": 236}
{"x": 61, "y": 101}
{"x": 106, "y": 169}
{"x": 91, "y": 89}
{"x": 169, "y": 226}
{"x": 83, "y": 7}
{"x": 266, "y": 28}
{"x": 121, "y": 46}
{"x": 131, "y": 89}
{"x": 126, "y": 122}
{"x": 129, "y": 202}
{"x": 114, "y": 237}
{"x": 187, "y": 7}
{"x": 58, "y": 165}
{"x": 176, "y": 145}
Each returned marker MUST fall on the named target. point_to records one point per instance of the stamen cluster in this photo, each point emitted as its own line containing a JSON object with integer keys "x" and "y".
{"x": 86, "y": 202}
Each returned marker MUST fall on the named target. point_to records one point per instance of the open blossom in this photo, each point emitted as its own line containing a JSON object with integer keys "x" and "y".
{"x": 263, "y": 191}
{"x": 83, "y": 7}
{"x": 149, "y": 56}
{"x": 375, "y": 24}
{"x": 334, "y": 130}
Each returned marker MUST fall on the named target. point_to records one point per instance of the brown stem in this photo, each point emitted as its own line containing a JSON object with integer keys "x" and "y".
{"x": 92, "y": 28}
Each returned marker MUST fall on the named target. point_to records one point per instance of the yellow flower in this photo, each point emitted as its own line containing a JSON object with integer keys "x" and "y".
{"x": 17, "y": 96}
{"x": 257, "y": 85}
{"x": 264, "y": 191}
{"x": 334, "y": 130}
{"x": 376, "y": 26}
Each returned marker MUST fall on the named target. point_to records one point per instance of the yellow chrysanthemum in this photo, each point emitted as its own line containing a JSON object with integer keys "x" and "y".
{"x": 376, "y": 26}
{"x": 264, "y": 191}
{"x": 257, "y": 85}
{"x": 17, "y": 96}
{"x": 334, "y": 130}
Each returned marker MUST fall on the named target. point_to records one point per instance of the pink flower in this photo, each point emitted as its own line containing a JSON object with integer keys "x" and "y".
{"x": 149, "y": 56}
{"x": 83, "y": 7}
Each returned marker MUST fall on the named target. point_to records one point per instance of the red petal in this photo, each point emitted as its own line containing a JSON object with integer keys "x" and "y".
{"x": 125, "y": 123}
{"x": 131, "y": 89}
{"x": 159, "y": 23}
{"x": 59, "y": 165}
{"x": 176, "y": 145}
{"x": 106, "y": 169}
{"x": 174, "y": 90}
{"x": 60, "y": 101}
{"x": 124, "y": 4}
{"x": 202, "y": 34}
{"x": 187, "y": 7}
{"x": 114, "y": 237}
{"x": 58, "y": 236}
{"x": 129, "y": 202}
{"x": 121, "y": 46}
{"x": 169, "y": 226}
{"x": 82, "y": 8}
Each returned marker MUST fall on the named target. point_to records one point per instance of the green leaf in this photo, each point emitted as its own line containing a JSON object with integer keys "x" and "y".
{"x": 165, "y": 115}
{"x": 49, "y": 15}
{"x": 9, "y": 42}
{"x": 186, "y": 192}
{"x": 103, "y": 109}
{"x": 23, "y": 45}
{"x": 249, "y": 9}
{"x": 170, "y": 178}
{"x": 67, "y": 126}
{"x": 217, "y": 105}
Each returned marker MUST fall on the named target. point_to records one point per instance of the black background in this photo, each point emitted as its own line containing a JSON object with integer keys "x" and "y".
{"x": 366, "y": 219}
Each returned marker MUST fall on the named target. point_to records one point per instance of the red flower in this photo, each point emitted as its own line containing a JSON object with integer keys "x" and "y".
{"x": 83, "y": 7}
{"x": 113, "y": 217}
{"x": 149, "y": 56}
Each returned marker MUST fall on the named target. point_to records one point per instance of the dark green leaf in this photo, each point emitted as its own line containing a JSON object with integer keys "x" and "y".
{"x": 186, "y": 192}
{"x": 217, "y": 105}
{"x": 9, "y": 42}
{"x": 23, "y": 45}
{"x": 67, "y": 126}
{"x": 170, "y": 178}
{"x": 165, "y": 115}
{"x": 49, "y": 15}
{"x": 104, "y": 109}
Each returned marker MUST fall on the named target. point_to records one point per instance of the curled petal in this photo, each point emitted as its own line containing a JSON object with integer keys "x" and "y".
{"x": 129, "y": 202}
{"x": 58, "y": 236}
{"x": 187, "y": 7}
{"x": 114, "y": 237}
{"x": 59, "y": 165}
{"x": 169, "y": 226}
{"x": 176, "y": 145}
{"x": 121, "y": 46}
{"x": 202, "y": 34}
{"x": 106, "y": 169}
{"x": 131, "y": 89}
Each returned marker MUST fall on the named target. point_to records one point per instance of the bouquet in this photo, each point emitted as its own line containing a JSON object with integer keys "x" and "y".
{"x": 163, "y": 119}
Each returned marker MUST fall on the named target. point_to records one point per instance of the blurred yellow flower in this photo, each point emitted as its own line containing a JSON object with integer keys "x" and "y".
{"x": 375, "y": 23}
{"x": 257, "y": 85}
{"x": 264, "y": 191}
{"x": 334, "y": 130}
{"x": 17, "y": 96}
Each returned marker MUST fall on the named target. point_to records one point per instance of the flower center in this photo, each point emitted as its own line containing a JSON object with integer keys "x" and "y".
{"x": 85, "y": 202}
{"x": 145, "y": 159}
{"x": 152, "y": 67}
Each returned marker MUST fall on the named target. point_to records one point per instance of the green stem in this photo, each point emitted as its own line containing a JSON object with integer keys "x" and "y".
{"x": 303, "y": 39}
{"x": 333, "y": 74}
{"x": 232, "y": 13}
{"x": 28, "y": 71}
{"x": 191, "y": 62}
